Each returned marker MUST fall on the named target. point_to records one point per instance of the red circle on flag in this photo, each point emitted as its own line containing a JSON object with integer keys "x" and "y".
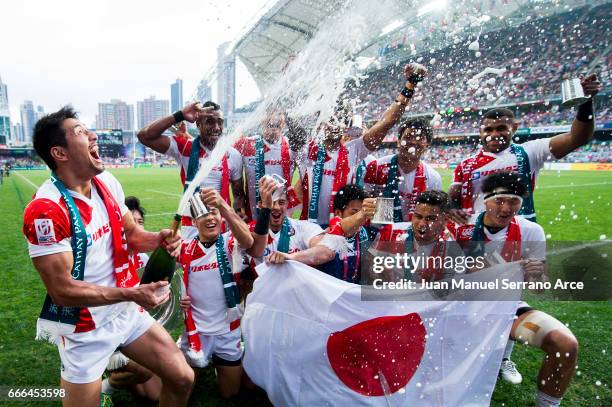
{"x": 392, "y": 345}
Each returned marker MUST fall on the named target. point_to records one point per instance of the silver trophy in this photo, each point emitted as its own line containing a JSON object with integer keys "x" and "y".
{"x": 384, "y": 211}
{"x": 198, "y": 209}
{"x": 572, "y": 93}
{"x": 281, "y": 182}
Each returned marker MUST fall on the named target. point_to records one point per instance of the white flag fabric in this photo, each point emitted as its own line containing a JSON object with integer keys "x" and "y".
{"x": 310, "y": 340}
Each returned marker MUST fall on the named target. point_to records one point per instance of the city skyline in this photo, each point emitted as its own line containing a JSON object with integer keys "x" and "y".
{"x": 105, "y": 55}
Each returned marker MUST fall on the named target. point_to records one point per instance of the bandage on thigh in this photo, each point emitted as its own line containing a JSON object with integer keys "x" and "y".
{"x": 535, "y": 326}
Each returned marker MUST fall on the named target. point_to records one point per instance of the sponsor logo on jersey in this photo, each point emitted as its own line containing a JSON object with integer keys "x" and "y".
{"x": 44, "y": 231}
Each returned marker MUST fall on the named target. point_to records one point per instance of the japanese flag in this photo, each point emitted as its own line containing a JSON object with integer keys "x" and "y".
{"x": 311, "y": 340}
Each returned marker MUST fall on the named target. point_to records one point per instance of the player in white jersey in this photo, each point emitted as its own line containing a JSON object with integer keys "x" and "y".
{"x": 352, "y": 211}
{"x": 78, "y": 231}
{"x": 403, "y": 176}
{"x": 278, "y": 236}
{"x": 499, "y": 153}
{"x": 267, "y": 153}
{"x": 517, "y": 239}
{"x": 192, "y": 153}
{"x": 425, "y": 238}
{"x": 329, "y": 164}
{"x": 211, "y": 297}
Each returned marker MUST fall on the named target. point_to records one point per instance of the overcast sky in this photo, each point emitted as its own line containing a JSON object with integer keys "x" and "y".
{"x": 85, "y": 52}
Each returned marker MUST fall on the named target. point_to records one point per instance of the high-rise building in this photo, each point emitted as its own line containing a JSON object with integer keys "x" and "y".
{"x": 16, "y": 134}
{"x": 204, "y": 91}
{"x": 115, "y": 115}
{"x": 150, "y": 110}
{"x": 176, "y": 95}
{"x": 5, "y": 115}
{"x": 40, "y": 112}
{"x": 226, "y": 79}
{"x": 28, "y": 120}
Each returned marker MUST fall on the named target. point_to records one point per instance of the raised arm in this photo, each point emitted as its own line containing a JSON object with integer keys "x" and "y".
{"x": 583, "y": 126}
{"x": 260, "y": 233}
{"x": 351, "y": 224}
{"x": 239, "y": 198}
{"x": 152, "y": 135}
{"x": 239, "y": 229}
{"x": 374, "y": 136}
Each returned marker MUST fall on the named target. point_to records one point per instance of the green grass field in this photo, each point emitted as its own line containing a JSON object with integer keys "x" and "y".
{"x": 585, "y": 197}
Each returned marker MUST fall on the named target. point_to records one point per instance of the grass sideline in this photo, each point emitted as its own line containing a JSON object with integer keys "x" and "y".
{"x": 584, "y": 196}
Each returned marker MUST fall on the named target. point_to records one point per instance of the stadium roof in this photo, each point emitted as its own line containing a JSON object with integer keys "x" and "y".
{"x": 286, "y": 27}
{"x": 280, "y": 33}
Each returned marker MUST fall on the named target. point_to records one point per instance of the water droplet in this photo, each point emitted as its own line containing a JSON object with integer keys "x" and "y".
{"x": 598, "y": 383}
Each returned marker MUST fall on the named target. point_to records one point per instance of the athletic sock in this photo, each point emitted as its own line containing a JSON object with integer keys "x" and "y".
{"x": 508, "y": 350}
{"x": 544, "y": 400}
{"x": 106, "y": 387}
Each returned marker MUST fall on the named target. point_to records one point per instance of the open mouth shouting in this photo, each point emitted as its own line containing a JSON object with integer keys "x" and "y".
{"x": 94, "y": 153}
{"x": 276, "y": 216}
{"x": 422, "y": 231}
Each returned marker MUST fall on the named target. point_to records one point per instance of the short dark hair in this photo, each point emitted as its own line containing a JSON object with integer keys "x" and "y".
{"x": 346, "y": 194}
{"x": 435, "y": 198}
{"x": 48, "y": 133}
{"x": 210, "y": 103}
{"x": 133, "y": 204}
{"x": 416, "y": 124}
{"x": 497, "y": 113}
{"x": 509, "y": 180}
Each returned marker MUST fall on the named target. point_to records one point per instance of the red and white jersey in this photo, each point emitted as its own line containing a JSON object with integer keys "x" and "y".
{"x": 205, "y": 287}
{"x": 46, "y": 226}
{"x": 272, "y": 160}
{"x": 356, "y": 151}
{"x": 180, "y": 149}
{"x": 538, "y": 152}
{"x": 533, "y": 240}
{"x": 299, "y": 236}
{"x": 139, "y": 260}
{"x": 375, "y": 181}
{"x": 392, "y": 238}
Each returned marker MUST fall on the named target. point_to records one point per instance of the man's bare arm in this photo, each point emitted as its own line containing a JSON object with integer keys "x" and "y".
{"x": 139, "y": 240}
{"x": 374, "y": 136}
{"x": 54, "y": 269}
{"x": 152, "y": 134}
{"x": 583, "y": 128}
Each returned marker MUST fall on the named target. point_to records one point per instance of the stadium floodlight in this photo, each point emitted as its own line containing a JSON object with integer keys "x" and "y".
{"x": 390, "y": 27}
{"x": 432, "y": 6}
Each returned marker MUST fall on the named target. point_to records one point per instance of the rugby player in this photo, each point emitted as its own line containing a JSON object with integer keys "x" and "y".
{"x": 499, "y": 153}
{"x": 517, "y": 239}
{"x": 79, "y": 230}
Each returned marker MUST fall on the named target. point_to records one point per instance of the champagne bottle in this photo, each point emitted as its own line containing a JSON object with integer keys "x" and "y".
{"x": 161, "y": 265}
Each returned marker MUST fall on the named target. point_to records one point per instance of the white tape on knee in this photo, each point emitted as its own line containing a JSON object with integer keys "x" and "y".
{"x": 535, "y": 326}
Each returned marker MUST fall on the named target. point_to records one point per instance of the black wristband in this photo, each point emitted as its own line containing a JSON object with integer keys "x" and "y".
{"x": 585, "y": 112}
{"x": 178, "y": 116}
{"x": 415, "y": 78}
{"x": 407, "y": 93}
{"x": 263, "y": 221}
